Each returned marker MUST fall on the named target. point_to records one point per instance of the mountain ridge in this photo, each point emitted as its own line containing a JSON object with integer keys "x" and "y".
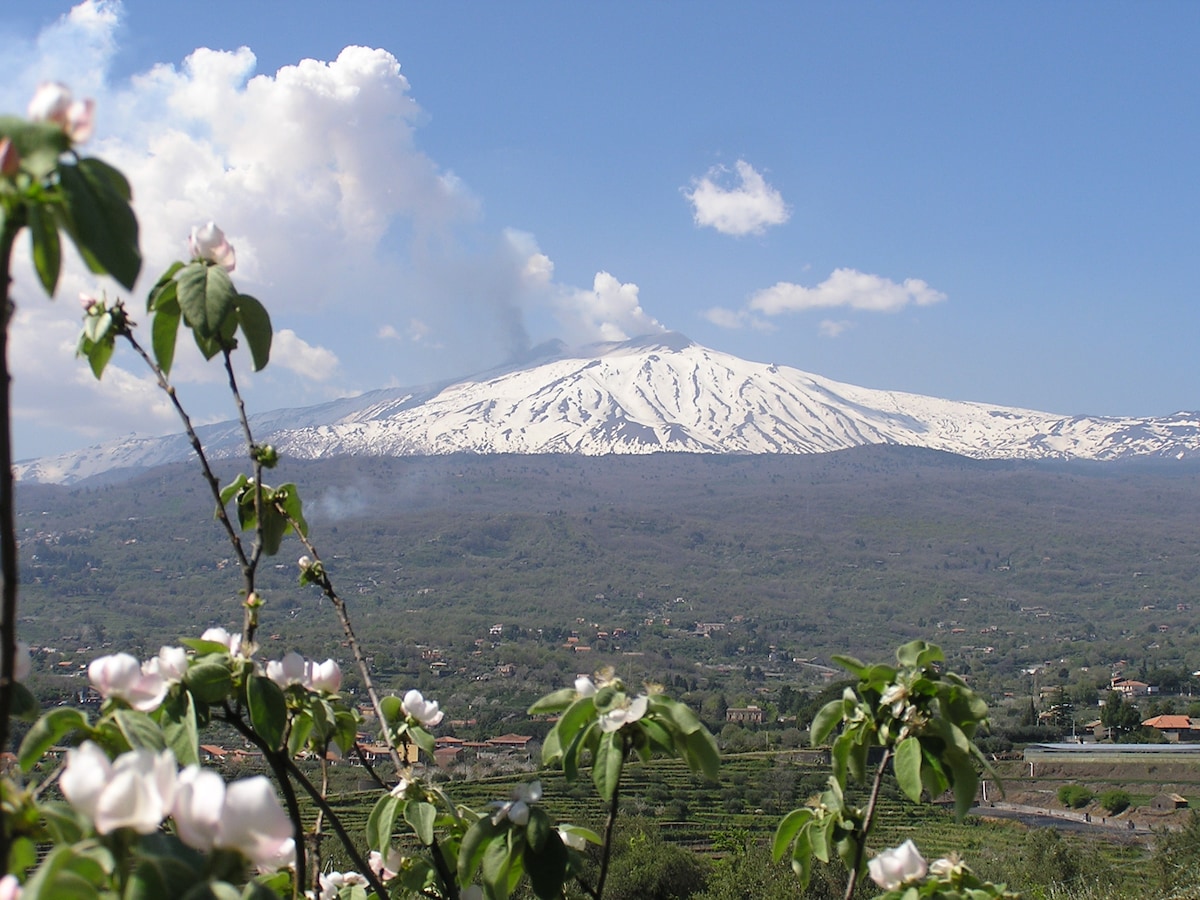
{"x": 652, "y": 394}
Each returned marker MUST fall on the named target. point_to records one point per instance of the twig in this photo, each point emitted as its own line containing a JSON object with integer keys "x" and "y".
{"x": 610, "y": 825}
{"x": 8, "y": 537}
{"x": 861, "y": 849}
{"x": 250, "y": 566}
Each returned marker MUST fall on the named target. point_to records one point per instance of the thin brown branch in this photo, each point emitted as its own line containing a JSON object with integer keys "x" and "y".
{"x": 868, "y": 818}
{"x": 9, "y": 574}
{"x": 250, "y": 566}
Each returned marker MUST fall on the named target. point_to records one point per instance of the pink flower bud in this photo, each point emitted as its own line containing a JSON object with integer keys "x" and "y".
{"x": 10, "y": 159}
{"x": 52, "y": 103}
{"x": 208, "y": 242}
{"x": 326, "y": 676}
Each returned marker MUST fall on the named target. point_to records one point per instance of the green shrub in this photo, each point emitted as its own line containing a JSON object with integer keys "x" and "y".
{"x": 1074, "y": 796}
{"x": 1115, "y": 801}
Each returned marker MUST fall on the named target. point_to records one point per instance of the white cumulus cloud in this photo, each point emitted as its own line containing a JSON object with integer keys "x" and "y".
{"x": 847, "y": 289}
{"x": 295, "y": 354}
{"x": 610, "y": 311}
{"x": 749, "y": 208}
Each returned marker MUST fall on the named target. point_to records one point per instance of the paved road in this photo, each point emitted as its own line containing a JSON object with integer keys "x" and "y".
{"x": 1063, "y": 820}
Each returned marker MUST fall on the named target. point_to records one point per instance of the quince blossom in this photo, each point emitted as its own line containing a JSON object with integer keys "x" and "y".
{"x": 424, "y": 711}
{"x": 208, "y": 242}
{"x": 516, "y": 810}
{"x": 10, "y": 888}
{"x": 52, "y": 102}
{"x": 619, "y": 716}
{"x": 245, "y": 816}
{"x": 295, "y": 669}
{"x": 10, "y": 158}
{"x": 386, "y": 867}
{"x": 584, "y": 686}
{"x": 894, "y": 868}
{"x": 333, "y": 882}
{"x": 122, "y": 676}
{"x": 135, "y": 790}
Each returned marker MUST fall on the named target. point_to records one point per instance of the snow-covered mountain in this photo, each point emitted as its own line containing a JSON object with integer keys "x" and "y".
{"x": 649, "y": 395}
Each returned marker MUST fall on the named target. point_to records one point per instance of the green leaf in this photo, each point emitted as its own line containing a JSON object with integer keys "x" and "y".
{"x": 966, "y": 783}
{"x": 159, "y": 876}
{"x": 209, "y": 681}
{"x": 537, "y": 828}
{"x": 606, "y": 768}
{"x": 164, "y": 333}
{"x": 287, "y": 497}
{"x": 497, "y": 861}
{"x": 546, "y": 864}
{"x": 802, "y": 855}
{"x": 381, "y": 822}
{"x": 206, "y": 298}
{"x": 908, "y": 767}
{"x": 256, "y": 326}
{"x": 554, "y": 702}
{"x": 40, "y": 144}
{"x": 24, "y": 704}
{"x": 423, "y": 739}
{"x": 177, "y": 718}
{"x": 850, "y": 664}
{"x": 702, "y": 754}
{"x": 567, "y": 728}
{"x": 98, "y": 354}
{"x": 420, "y": 816}
{"x": 103, "y": 225}
{"x": 139, "y": 730}
{"x": 165, "y": 291}
{"x": 268, "y": 710}
{"x": 44, "y": 246}
{"x": 785, "y": 831}
{"x": 825, "y": 721}
{"x": 392, "y": 708}
{"x": 47, "y": 731}
{"x": 474, "y": 845}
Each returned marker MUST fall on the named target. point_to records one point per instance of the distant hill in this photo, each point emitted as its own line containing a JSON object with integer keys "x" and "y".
{"x": 1009, "y": 565}
{"x": 655, "y": 394}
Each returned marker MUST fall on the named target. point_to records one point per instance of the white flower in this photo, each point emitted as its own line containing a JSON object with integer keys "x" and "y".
{"x": 10, "y": 888}
{"x": 254, "y": 823}
{"x": 896, "y": 867}
{"x": 619, "y": 716}
{"x": 305, "y": 563}
{"x": 292, "y": 669}
{"x": 134, "y": 791}
{"x": 208, "y": 242}
{"x": 572, "y": 839}
{"x": 401, "y": 788}
{"x": 171, "y": 664}
{"x": 326, "y": 676}
{"x": 516, "y": 810}
{"x": 584, "y": 686}
{"x": 332, "y": 883}
{"x": 52, "y": 102}
{"x": 386, "y": 867}
{"x": 221, "y": 636}
{"x": 122, "y": 676}
{"x": 199, "y": 802}
{"x": 424, "y": 711}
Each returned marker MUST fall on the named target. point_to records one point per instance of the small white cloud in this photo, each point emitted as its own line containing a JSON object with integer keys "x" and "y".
{"x": 295, "y": 354}
{"x": 831, "y": 329}
{"x": 847, "y": 289}
{"x": 749, "y": 208}
{"x": 734, "y": 319}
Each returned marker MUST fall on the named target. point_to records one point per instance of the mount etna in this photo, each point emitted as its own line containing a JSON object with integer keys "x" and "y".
{"x": 662, "y": 393}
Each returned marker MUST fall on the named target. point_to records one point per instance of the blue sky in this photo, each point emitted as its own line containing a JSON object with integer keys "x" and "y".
{"x": 982, "y": 202}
